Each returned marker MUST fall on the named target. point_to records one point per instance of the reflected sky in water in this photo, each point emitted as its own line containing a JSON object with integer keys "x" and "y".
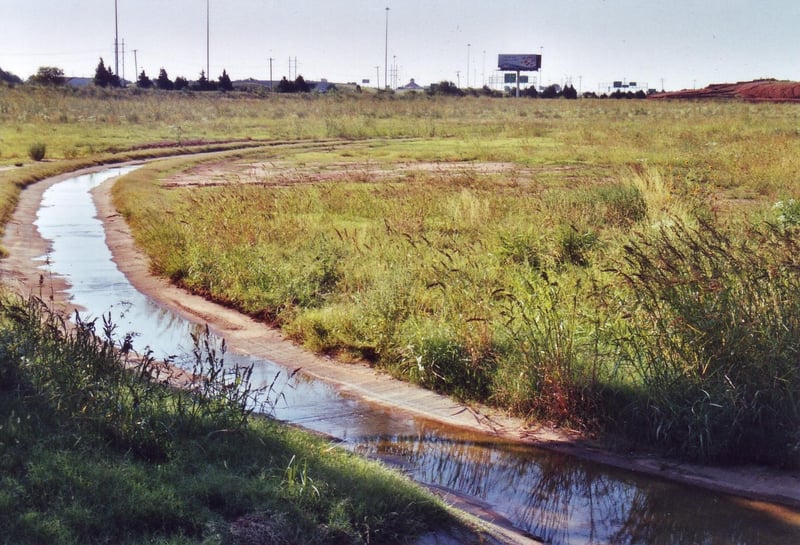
{"x": 555, "y": 497}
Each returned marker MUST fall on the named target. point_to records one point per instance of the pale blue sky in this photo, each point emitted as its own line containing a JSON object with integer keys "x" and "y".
{"x": 589, "y": 42}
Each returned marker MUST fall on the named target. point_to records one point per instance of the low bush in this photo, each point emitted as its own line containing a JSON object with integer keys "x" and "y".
{"x": 37, "y": 151}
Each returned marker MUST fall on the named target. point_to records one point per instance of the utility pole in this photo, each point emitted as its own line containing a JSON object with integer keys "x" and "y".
{"x": 208, "y": 40}
{"x": 386, "y": 52}
{"x": 468, "y": 46}
{"x": 123, "y": 62}
{"x": 270, "y": 74}
{"x": 541, "y": 76}
{"x": 378, "y": 76}
{"x": 458, "y": 79}
{"x": 483, "y": 69}
{"x": 116, "y": 40}
{"x": 135, "y": 64}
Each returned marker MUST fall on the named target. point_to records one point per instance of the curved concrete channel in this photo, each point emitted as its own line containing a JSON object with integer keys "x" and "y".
{"x": 549, "y": 495}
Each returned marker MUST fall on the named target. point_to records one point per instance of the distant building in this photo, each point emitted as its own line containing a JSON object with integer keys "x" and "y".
{"x": 411, "y": 86}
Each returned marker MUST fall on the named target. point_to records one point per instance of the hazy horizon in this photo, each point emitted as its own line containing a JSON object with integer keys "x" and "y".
{"x": 588, "y": 43}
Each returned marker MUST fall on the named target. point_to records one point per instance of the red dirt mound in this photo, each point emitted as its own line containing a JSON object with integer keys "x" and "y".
{"x": 751, "y": 91}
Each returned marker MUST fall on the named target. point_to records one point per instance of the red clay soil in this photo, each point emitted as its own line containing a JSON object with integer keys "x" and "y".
{"x": 749, "y": 91}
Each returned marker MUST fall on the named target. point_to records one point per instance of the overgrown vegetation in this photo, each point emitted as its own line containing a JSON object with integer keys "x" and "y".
{"x": 619, "y": 266}
{"x": 96, "y": 446}
{"x": 545, "y": 285}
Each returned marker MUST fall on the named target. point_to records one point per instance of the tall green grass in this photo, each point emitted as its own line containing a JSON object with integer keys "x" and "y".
{"x": 96, "y": 446}
{"x": 511, "y": 285}
{"x": 516, "y": 284}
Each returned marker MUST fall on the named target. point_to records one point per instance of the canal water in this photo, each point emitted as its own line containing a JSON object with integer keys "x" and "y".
{"x": 555, "y": 497}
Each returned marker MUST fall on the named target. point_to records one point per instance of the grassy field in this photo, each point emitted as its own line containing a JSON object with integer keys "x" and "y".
{"x": 91, "y": 454}
{"x": 627, "y": 267}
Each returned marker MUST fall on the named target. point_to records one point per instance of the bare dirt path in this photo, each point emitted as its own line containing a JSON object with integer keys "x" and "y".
{"x": 243, "y": 334}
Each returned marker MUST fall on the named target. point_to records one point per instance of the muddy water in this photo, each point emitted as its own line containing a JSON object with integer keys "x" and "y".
{"x": 554, "y": 497}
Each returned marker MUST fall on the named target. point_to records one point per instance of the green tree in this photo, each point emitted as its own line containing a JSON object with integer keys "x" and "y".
{"x": 301, "y": 86}
{"x": 163, "y": 81}
{"x": 8, "y": 77}
{"x": 225, "y": 83}
{"x": 285, "y": 86}
{"x": 203, "y": 83}
{"x": 104, "y": 77}
{"x": 181, "y": 83}
{"x": 48, "y": 75}
{"x": 446, "y": 88}
{"x": 552, "y": 91}
{"x": 144, "y": 82}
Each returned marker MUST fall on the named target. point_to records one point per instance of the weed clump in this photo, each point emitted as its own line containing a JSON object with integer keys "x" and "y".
{"x": 37, "y": 151}
{"x": 713, "y": 339}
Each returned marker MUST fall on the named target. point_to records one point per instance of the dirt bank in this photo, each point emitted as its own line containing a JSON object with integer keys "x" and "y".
{"x": 249, "y": 336}
{"x": 750, "y": 91}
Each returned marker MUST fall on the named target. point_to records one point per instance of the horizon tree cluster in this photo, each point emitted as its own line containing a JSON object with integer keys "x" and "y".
{"x": 105, "y": 77}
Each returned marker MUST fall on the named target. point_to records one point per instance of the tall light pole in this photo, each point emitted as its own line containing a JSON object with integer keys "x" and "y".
{"x": 468, "y": 46}
{"x": 116, "y": 40}
{"x": 541, "y": 61}
{"x": 270, "y": 73}
{"x": 483, "y": 69}
{"x": 386, "y": 52}
{"x": 208, "y": 41}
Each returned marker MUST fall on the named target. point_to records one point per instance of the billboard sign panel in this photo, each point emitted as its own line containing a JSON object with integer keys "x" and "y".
{"x": 519, "y": 62}
{"x": 509, "y": 78}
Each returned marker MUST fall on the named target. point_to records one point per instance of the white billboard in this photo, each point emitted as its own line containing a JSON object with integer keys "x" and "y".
{"x": 520, "y": 62}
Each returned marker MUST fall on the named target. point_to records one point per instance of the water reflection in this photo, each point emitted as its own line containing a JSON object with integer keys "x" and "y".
{"x": 555, "y": 497}
{"x": 565, "y": 501}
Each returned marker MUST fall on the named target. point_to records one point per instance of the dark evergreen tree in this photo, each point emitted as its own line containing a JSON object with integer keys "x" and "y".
{"x": 163, "y": 81}
{"x": 285, "y": 86}
{"x": 569, "y": 92}
{"x": 225, "y": 83}
{"x": 181, "y": 83}
{"x": 104, "y": 77}
{"x": 203, "y": 83}
{"x": 144, "y": 82}
{"x": 300, "y": 85}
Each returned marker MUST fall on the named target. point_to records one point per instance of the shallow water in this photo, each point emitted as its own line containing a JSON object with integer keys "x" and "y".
{"x": 555, "y": 497}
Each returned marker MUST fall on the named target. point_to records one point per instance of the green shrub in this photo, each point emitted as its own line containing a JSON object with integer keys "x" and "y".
{"x": 37, "y": 151}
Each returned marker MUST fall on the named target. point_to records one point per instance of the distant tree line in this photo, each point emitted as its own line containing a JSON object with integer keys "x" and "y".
{"x": 105, "y": 77}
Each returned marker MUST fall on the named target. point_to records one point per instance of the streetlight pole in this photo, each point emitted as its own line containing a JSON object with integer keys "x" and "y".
{"x": 468, "y": 46}
{"x": 541, "y": 61}
{"x": 116, "y": 39}
{"x": 208, "y": 40}
{"x": 386, "y": 52}
{"x": 483, "y": 69}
